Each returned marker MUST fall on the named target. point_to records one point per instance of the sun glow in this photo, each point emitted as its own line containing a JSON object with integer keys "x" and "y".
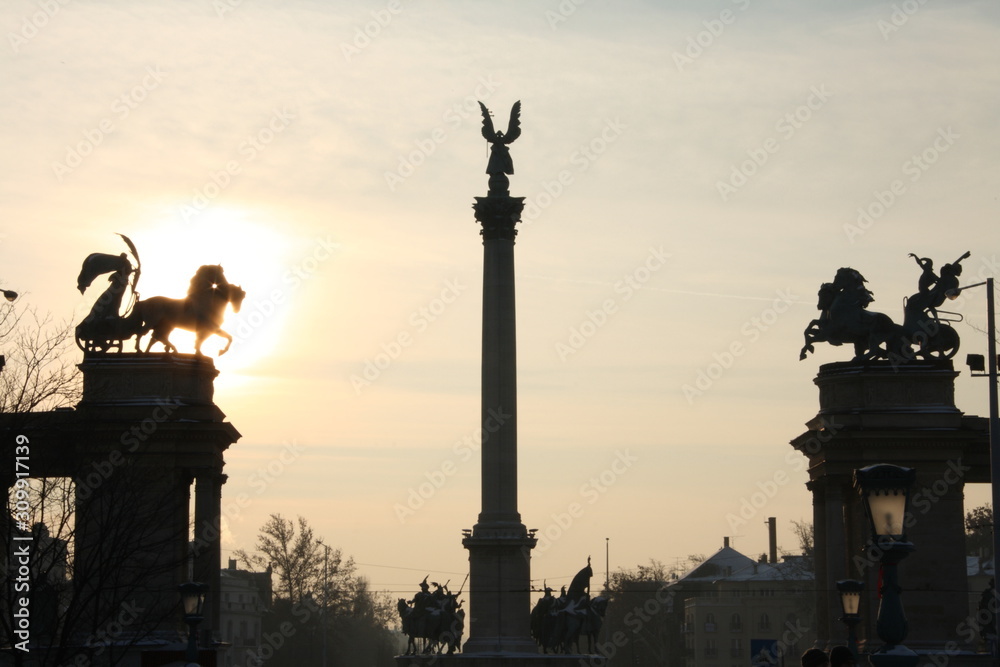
{"x": 253, "y": 255}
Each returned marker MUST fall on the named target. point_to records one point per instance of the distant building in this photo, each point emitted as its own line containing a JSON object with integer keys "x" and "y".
{"x": 735, "y": 606}
{"x": 245, "y": 600}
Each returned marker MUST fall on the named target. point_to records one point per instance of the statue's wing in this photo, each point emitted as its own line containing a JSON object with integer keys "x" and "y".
{"x": 488, "y": 132}
{"x": 514, "y": 126}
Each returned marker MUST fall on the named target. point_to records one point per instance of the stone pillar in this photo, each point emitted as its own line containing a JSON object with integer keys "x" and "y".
{"x": 904, "y": 415}
{"x": 499, "y": 546}
{"x": 207, "y": 550}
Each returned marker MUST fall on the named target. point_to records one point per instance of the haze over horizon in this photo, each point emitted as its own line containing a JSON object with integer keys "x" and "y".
{"x": 693, "y": 173}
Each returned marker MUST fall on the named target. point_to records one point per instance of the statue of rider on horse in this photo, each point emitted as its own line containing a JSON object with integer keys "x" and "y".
{"x": 437, "y": 618}
{"x": 107, "y": 326}
{"x": 558, "y": 623}
{"x": 845, "y": 317}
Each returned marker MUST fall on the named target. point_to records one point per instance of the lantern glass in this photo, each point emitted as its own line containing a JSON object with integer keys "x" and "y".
{"x": 850, "y": 602}
{"x": 193, "y": 597}
{"x": 887, "y": 507}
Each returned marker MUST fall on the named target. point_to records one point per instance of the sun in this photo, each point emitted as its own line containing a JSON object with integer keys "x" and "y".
{"x": 253, "y": 254}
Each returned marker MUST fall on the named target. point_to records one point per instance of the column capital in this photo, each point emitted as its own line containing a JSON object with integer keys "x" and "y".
{"x": 498, "y": 215}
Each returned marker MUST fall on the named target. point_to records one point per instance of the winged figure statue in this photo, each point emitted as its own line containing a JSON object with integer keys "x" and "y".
{"x": 500, "y": 162}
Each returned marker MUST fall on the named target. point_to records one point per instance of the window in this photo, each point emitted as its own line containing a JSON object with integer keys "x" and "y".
{"x": 736, "y": 623}
{"x": 764, "y": 623}
{"x": 710, "y": 650}
{"x": 710, "y": 622}
{"x": 736, "y": 648}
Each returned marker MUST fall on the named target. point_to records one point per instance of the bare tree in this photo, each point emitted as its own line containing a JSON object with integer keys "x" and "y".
{"x": 40, "y": 374}
{"x": 356, "y": 621}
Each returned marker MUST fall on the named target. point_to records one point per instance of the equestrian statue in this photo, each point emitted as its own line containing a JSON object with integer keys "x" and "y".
{"x": 558, "y": 623}
{"x": 435, "y": 618}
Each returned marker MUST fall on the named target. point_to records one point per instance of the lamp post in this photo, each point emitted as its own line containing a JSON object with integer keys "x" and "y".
{"x": 193, "y": 597}
{"x": 850, "y": 603}
{"x": 10, "y": 296}
{"x": 885, "y": 494}
{"x": 976, "y": 364}
{"x": 326, "y": 595}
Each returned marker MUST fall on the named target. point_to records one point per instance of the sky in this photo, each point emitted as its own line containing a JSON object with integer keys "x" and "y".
{"x": 694, "y": 171}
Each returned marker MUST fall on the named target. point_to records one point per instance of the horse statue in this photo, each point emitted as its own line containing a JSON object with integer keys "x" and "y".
{"x": 558, "y": 623}
{"x": 845, "y": 318}
{"x": 201, "y": 311}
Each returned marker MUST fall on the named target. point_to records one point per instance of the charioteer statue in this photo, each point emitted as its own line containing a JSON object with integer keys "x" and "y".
{"x": 108, "y": 324}
{"x": 845, "y": 317}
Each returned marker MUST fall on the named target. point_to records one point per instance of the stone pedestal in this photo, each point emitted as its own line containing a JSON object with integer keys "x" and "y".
{"x": 903, "y": 415}
{"x": 145, "y": 431}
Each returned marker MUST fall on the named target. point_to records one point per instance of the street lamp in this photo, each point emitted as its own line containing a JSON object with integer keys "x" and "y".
{"x": 326, "y": 594}
{"x": 975, "y": 362}
{"x": 193, "y": 598}
{"x": 885, "y": 492}
{"x": 850, "y": 604}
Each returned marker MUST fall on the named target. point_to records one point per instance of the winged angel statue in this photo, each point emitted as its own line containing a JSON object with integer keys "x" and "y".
{"x": 500, "y": 163}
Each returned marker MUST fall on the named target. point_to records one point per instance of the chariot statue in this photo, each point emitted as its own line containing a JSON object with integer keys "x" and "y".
{"x": 926, "y": 331}
{"x": 113, "y": 320}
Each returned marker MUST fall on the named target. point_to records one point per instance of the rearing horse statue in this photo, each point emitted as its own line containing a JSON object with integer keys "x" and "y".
{"x": 845, "y": 318}
{"x": 201, "y": 311}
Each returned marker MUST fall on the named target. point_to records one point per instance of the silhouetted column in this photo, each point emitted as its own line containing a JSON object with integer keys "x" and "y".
{"x": 208, "y": 543}
{"x": 499, "y": 547}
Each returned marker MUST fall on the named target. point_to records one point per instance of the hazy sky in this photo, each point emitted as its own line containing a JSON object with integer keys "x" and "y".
{"x": 694, "y": 172}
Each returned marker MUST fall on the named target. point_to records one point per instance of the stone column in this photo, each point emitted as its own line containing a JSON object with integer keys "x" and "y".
{"x": 208, "y": 544}
{"x": 499, "y": 546}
